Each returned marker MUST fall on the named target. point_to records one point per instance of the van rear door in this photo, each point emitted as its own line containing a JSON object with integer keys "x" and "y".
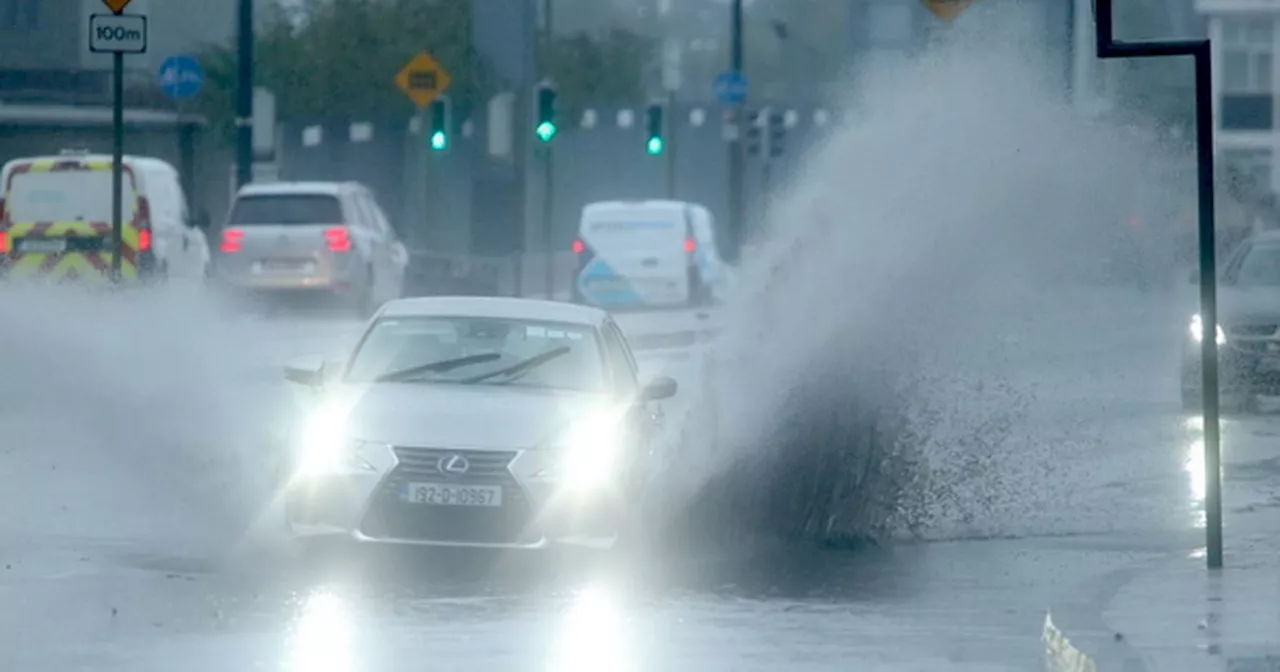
{"x": 638, "y": 256}
{"x": 57, "y": 219}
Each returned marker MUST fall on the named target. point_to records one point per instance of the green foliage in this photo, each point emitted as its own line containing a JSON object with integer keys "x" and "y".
{"x": 339, "y": 58}
{"x": 608, "y": 69}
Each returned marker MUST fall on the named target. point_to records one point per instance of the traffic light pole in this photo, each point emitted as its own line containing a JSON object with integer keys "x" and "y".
{"x": 1109, "y": 47}
{"x": 670, "y": 140}
{"x": 548, "y": 164}
{"x": 736, "y": 209}
{"x": 244, "y": 95}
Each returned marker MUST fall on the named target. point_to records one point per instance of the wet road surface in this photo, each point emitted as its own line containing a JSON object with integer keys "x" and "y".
{"x": 124, "y": 547}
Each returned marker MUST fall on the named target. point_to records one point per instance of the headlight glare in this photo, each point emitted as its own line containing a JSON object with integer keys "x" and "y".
{"x": 587, "y": 456}
{"x": 323, "y": 448}
{"x": 1197, "y": 330}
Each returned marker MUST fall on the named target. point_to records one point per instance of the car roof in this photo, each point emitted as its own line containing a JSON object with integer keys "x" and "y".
{"x": 287, "y": 188}
{"x": 495, "y": 307}
{"x": 129, "y": 160}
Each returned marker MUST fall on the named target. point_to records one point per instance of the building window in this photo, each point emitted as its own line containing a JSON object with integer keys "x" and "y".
{"x": 1248, "y": 51}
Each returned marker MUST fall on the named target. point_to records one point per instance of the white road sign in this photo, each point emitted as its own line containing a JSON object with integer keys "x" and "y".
{"x": 118, "y": 33}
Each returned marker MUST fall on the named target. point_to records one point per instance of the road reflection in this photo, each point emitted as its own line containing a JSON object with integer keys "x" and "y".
{"x": 593, "y": 634}
{"x": 321, "y": 638}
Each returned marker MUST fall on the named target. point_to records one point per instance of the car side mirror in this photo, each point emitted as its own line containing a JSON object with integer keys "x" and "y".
{"x": 659, "y": 388}
{"x": 309, "y": 372}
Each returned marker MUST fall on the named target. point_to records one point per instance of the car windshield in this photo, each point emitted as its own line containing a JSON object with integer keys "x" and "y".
{"x": 480, "y": 350}
{"x": 1260, "y": 267}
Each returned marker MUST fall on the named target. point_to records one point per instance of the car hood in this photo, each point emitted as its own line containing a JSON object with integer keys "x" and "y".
{"x": 461, "y": 416}
{"x": 1248, "y": 305}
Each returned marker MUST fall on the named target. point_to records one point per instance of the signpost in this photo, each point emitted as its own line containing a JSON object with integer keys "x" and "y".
{"x": 180, "y": 77}
{"x": 423, "y": 80}
{"x": 1109, "y": 47}
{"x": 117, "y": 34}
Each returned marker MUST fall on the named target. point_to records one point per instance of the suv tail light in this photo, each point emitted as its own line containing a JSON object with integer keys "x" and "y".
{"x": 143, "y": 224}
{"x": 338, "y": 239}
{"x": 232, "y": 240}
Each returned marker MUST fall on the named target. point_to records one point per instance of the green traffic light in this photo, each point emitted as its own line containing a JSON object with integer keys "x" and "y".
{"x": 438, "y": 141}
{"x": 655, "y": 145}
{"x": 546, "y": 130}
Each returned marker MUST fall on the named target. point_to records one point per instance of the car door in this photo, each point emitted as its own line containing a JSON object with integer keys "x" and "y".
{"x": 195, "y": 244}
{"x": 166, "y": 231}
{"x": 372, "y": 234}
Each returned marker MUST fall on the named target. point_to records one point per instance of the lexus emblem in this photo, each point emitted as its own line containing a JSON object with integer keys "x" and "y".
{"x": 454, "y": 465}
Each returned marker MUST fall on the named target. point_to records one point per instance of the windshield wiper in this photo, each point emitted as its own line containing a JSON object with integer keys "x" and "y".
{"x": 520, "y": 368}
{"x": 436, "y": 367}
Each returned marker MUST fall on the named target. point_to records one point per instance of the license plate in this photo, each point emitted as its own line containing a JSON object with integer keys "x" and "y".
{"x": 42, "y": 245}
{"x": 450, "y": 494}
{"x": 283, "y": 266}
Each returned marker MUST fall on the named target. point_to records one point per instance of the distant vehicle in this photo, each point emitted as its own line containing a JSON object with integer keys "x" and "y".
{"x": 635, "y": 254}
{"x": 309, "y": 237}
{"x": 1248, "y": 330}
{"x": 474, "y": 421}
{"x": 56, "y": 221}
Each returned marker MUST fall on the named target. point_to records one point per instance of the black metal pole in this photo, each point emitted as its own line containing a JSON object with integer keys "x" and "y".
{"x": 548, "y": 166}
{"x": 1109, "y": 47}
{"x": 117, "y": 165}
{"x": 244, "y": 95}
{"x": 736, "y": 209}
{"x": 672, "y": 130}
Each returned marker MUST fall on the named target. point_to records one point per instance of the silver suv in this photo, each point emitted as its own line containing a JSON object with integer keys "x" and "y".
{"x": 306, "y": 237}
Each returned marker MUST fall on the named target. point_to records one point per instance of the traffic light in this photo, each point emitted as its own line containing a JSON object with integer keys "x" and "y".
{"x": 439, "y": 133}
{"x": 656, "y": 138}
{"x": 754, "y": 135}
{"x": 546, "y": 97}
{"x": 777, "y": 133}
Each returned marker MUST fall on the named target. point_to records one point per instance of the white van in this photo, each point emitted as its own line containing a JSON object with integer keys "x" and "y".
{"x": 635, "y": 254}
{"x": 55, "y": 220}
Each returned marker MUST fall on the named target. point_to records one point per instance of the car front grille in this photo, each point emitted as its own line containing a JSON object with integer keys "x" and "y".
{"x": 390, "y": 517}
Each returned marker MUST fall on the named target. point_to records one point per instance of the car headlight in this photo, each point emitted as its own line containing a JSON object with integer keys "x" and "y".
{"x": 1197, "y": 331}
{"x": 324, "y": 448}
{"x": 587, "y": 456}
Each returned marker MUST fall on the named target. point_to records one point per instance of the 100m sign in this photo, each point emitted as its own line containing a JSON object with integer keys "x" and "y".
{"x": 118, "y": 34}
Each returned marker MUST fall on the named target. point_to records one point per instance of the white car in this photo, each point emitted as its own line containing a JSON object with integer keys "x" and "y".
{"x": 477, "y": 422}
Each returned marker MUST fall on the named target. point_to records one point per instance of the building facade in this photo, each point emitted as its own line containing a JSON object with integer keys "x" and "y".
{"x": 1246, "y": 76}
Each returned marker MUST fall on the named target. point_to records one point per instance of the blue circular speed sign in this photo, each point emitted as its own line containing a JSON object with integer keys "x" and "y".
{"x": 180, "y": 77}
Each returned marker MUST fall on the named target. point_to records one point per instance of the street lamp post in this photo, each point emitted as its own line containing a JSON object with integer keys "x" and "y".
{"x": 1109, "y": 47}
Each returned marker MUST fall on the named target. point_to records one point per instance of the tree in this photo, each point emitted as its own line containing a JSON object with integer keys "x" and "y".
{"x": 338, "y": 59}
{"x": 607, "y": 69}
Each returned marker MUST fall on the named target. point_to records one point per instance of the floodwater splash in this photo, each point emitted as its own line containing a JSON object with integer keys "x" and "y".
{"x": 865, "y": 383}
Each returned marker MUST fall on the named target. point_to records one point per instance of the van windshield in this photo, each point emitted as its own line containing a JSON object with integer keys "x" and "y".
{"x": 287, "y": 209}
{"x": 64, "y": 196}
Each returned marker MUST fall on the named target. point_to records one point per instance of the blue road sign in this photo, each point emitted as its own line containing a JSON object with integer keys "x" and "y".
{"x": 731, "y": 87}
{"x": 180, "y": 76}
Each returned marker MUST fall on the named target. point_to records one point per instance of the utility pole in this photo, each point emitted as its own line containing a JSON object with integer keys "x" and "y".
{"x": 1109, "y": 47}
{"x": 736, "y": 209}
{"x": 244, "y": 95}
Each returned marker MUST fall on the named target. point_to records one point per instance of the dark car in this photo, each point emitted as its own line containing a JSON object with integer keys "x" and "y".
{"x": 1248, "y": 330}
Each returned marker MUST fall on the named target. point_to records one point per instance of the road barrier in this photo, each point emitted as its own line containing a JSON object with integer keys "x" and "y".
{"x": 1059, "y": 654}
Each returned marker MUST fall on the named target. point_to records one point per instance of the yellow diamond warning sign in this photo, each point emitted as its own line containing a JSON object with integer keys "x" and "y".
{"x": 947, "y": 10}
{"x": 116, "y": 6}
{"x": 423, "y": 79}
